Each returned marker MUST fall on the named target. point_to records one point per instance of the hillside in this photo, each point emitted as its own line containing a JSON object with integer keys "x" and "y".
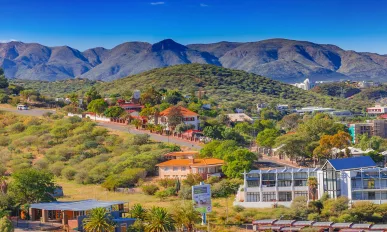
{"x": 227, "y": 86}
{"x": 280, "y": 59}
{"x": 56, "y": 88}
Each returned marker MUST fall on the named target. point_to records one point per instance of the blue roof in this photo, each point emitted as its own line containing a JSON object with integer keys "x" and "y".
{"x": 75, "y": 205}
{"x": 352, "y": 163}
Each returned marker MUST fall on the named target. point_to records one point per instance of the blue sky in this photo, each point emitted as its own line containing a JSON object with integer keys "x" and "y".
{"x": 359, "y": 25}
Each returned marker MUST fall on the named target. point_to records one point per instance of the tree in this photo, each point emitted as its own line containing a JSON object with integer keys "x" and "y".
{"x": 312, "y": 185}
{"x": 159, "y": 220}
{"x": 237, "y": 162}
{"x": 6, "y": 225}
{"x": 137, "y": 123}
{"x": 32, "y": 186}
{"x": 266, "y": 138}
{"x": 3, "y": 80}
{"x": 290, "y": 122}
{"x": 174, "y": 117}
{"x": 92, "y": 94}
{"x": 99, "y": 220}
{"x": 214, "y": 132}
{"x": 137, "y": 211}
{"x": 97, "y": 106}
{"x": 114, "y": 112}
{"x": 151, "y": 96}
{"x": 59, "y": 132}
{"x": 328, "y": 142}
{"x": 299, "y": 208}
{"x": 185, "y": 215}
{"x": 173, "y": 97}
{"x": 73, "y": 99}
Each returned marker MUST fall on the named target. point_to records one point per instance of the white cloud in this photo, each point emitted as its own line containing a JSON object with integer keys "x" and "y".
{"x": 203, "y": 5}
{"x": 157, "y": 3}
{"x": 7, "y": 40}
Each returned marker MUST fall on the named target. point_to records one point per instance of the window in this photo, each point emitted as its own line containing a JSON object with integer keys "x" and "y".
{"x": 300, "y": 194}
{"x": 166, "y": 176}
{"x": 285, "y": 196}
{"x": 284, "y": 183}
{"x": 253, "y": 183}
{"x": 268, "y": 183}
{"x": 183, "y": 168}
{"x": 166, "y": 169}
{"x": 269, "y": 196}
{"x": 252, "y": 197}
{"x": 175, "y": 169}
{"x": 300, "y": 175}
{"x": 300, "y": 182}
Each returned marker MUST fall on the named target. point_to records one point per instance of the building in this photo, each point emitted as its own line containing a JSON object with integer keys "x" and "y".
{"x": 314, "y": 109}
{"x": 71, "y": 213}
{"x": 188, "y": 117}
{"x": 241, "y": 117}
{"x": 306, "y": 85}
{"x": 180, "y": 168}
{"x": 377, "y": 110}
{"x": 371, "y": 128}
{"x": 341, "y": 113}
{"x": 367, "y": 84}
{"x": 356, "y": 178}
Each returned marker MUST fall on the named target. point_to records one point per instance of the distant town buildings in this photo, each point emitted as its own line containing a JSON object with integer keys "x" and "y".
{"x": 371, "y": 128}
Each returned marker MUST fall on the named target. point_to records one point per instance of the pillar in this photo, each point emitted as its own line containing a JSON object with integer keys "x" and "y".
{"x": 32, "y": 213}
{"x": 65, "y": 220}
{"x": 44, "y": 215}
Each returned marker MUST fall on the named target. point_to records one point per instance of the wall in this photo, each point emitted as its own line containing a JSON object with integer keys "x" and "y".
{"x": 98, "y": 118}
{"x": 262, "y": 204}
{"x": 170, "y": 173}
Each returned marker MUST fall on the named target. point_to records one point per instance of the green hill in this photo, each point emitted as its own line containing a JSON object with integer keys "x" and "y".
{"x": 227, "y": 86}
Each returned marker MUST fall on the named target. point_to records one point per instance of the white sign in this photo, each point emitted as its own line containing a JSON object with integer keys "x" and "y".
{"x": 201, "y": 197}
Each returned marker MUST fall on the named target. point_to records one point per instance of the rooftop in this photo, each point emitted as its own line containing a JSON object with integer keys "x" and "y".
{"x": 184, "y": 111}
{"x": 352, "y": 163}
{"x": 239, "y": 117}
{"x": 182, "y": 153}
{"x": 188, "y": 162}
{"x": 285, "y": 170}
{"x": 75, "y": 205}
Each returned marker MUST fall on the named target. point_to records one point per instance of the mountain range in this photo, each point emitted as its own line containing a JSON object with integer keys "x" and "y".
{"x": 279, "y": 59}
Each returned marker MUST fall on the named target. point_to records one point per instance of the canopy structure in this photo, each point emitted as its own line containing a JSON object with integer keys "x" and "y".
{"x": 75, "y": 205}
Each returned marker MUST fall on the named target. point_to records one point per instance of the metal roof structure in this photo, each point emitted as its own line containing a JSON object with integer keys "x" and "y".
{"x": 284, "y": 170}
{"x": 351, "y": 163}
{"x": 75, "y": 205}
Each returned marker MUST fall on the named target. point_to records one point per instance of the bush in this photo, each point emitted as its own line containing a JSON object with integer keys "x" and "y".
{"x": 69, "y": 173}
{"x": 225, "y": 187}
{"x": 17, "y": 127}
{"x": 4, "y": 141}
{"x": 6, "y": 225}
{"x": 193, "y": 179}
{"x": 57, "y": 168}
{"x": 140, "y": 139}
{"x": 149, "y": 189}
{"x": 185, "y": 192}
{"x": 166, "y": 182}
{"x": 162, "y": 194}
{"x": 238, "y": 208}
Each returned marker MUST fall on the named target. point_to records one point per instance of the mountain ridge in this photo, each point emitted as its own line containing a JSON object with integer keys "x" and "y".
{"x": 279, "y": 59}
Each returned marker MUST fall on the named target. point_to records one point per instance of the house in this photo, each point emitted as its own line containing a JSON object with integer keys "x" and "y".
{"x": 241, "y": 117}
{"x": 377, "y": 110}
{"x": 131, "y": 106}
{"x": 71, "y": 213}
{"x": 356, "y": 178}
{"x": 180, "y": 168}
{"x": 306, "y": 85}
{"x": 188, "y": 117}
{"x": 314, "y": 109}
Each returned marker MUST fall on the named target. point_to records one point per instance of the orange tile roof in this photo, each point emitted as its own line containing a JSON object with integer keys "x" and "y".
{"x": 182, "y": 153}
{"x": 184, "y": 111}
{"x": 187, "y": 162}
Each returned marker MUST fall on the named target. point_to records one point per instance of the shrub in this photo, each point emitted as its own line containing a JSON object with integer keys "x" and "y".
{"x": 193, "y": 179}
{"x": 225, "y": 187}
{"x": 57, "y": 168}
{"x": 238, "y": 208}
{"x": 149, "y": 189}
{"x": 4, "y": 141}
{"x": 69, "y": 173}
{"x": 140, "y": 139}
{"x": 17, "y": 127}
{"x": 185, "y": 192}
{"x": 41, "y": 164}
{"x": 162, "y": 194}
{"x": 166, "y": 182}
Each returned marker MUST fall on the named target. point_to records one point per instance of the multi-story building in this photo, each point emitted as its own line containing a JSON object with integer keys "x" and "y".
{"x": 306, "y": 85}
{"x": 357, "y": 178}
{"x": 371, "y": 128}
{"x": 377, "y": 110}
{"x": 187, "y": 117}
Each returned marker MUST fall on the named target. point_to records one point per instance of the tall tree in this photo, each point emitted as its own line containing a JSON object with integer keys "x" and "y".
{"x": 159, "y": 220}
{"x": 97, "y": 106}
{"x": 266, "y": 138}
{"x": 151, "y": 96}
{"x": 3, "y": 80}
{"x": 92, "y": 94}
{"x": 32, "y": 186}
{"x": 99, "y": 220}
{"x": 73, "y": 99}
{"x": 185, "y": 215}
{"x": 175, "y": 117}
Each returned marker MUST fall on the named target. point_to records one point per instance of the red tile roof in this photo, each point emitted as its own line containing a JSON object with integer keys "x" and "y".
{"x": 188, "y": 162}
{"x": 184, "y": 111}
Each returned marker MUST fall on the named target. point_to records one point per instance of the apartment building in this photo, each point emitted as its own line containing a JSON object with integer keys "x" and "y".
{"x": 357, "y": 178}
{"x": 371, "y": 128}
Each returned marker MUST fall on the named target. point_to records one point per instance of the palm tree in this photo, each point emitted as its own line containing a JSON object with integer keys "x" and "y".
{"x": 159, "y": 128}
{"x": 150, "y": 127}
{"x": 186, "y": 215}
{"x": 137, "y": 123}
{"x": 312, "y": 184}
{"x": 137, "y": 211}
{"x": 159, "y": 220}
{"x": 99, "y": 220}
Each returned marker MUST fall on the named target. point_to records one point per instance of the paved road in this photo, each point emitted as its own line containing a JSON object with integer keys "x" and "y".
{"x": 124, "y": 128}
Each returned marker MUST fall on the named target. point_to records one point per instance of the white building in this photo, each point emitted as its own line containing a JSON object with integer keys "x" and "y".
{"x": 188, "y": 117}
{"x": 357, "y": 178}
{"x": 377, "y": 110}
{"x": 341, "y": 113}
{"x": 306, "y": 85}
{"x": 314, "y": 109}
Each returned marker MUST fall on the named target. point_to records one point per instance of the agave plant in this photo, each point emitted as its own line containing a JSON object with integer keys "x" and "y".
{"x": 137, "y": 211}
{"x": 99, "y": 220}
{"x": 159, "y": 220}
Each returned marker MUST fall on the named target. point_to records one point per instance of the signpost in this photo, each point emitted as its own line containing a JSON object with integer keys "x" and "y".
{"x": 201, "y": 197}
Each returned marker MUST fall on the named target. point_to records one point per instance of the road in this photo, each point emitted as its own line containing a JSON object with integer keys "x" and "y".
{"x": 117, "y": 127}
